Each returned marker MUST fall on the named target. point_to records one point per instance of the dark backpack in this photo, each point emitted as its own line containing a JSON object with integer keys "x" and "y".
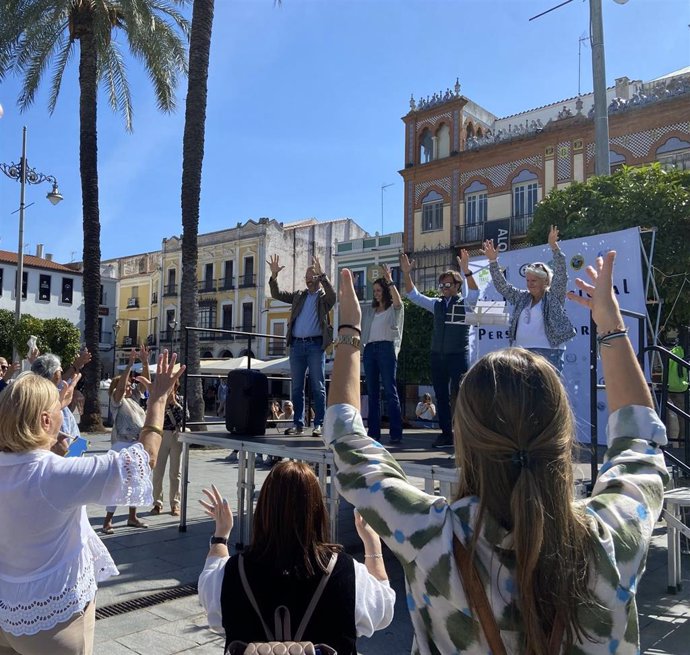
{"x": 280, "y": 641}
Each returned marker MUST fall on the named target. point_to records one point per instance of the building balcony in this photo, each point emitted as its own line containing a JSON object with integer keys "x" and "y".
{"x": 466, "y": 235}
{"x": 246, "y": 281}
{"x": 520, "y": 224}
{"x": 226, "y": 283}
{"x": 154, "y": 298}
{"x": 132, "y": 303}
{"x": 207, "y": 286}
{"x": 277, "y": 349}
{"x": 170, "y": 290}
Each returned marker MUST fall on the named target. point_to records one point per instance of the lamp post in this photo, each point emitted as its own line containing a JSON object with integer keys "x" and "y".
{"x": 383, "y": 188}
{"x": 116, "y": 329}
{"x": 25, "y": 175}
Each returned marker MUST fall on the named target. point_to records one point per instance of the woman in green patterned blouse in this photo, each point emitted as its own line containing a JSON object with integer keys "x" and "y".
{"x": 544, "y": 559}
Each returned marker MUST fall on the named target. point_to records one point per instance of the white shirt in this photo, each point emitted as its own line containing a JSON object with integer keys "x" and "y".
{"x": 426, "y": 412}
{"x": 530, "y": 328}
{"x": 50, "y": 556}
{"x": 380, "y": 326}
{"x": 374, "y": 599}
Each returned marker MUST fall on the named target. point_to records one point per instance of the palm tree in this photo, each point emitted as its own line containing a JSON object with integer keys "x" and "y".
{"x": 36, "y": 35}
{"x": 192, "y": 161}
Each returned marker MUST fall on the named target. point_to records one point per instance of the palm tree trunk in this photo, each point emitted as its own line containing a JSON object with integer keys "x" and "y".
{"x": 192, "y": 161}
{"x": 88, "y": 167}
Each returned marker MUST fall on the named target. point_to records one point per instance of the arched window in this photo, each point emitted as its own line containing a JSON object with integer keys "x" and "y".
{"x": 426, "y": 147}
{"x": 470, "y": 130}
{"x": 525, "y": 193}
{"x": 675, "y": 153}
{"x": 443, "y": 141}
{"x": 432, "y": 212}
{"x": 479, "y": 133}
{"x": 226, "y": 354}
{"x": 476, "y": 203}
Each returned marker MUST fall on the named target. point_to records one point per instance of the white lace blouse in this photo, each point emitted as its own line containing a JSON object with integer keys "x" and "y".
{"x": 50, "y": 556}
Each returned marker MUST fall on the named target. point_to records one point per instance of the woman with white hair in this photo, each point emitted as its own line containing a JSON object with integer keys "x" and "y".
{"x": 50, "y": 557}
{"x": 539, "y": 322}
{"x": 49, "y": 366}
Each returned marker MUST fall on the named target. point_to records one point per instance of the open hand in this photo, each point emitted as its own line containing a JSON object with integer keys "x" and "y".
{"x": 219, "y": 510}
{"x": 464, "y": 260}
{"x": 489, "y": 251}
{"x": 600, "y": 298}
{"x": 386, "y": 273}
{"x": 82, "y": 359}
{"x": 274, "y": 264}
{"x": 166, "y": 376}
{"x": 553, "y": 237}
{"x": 67, "y": 390}
{"x": 406, "y": 264}
{"x": 316, "y": 265}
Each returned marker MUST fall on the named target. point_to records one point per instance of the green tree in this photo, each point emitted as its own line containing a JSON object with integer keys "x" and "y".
{"x": 29, "y": 326}
{"x": 40, "y": 35}
{"x": 415, "y": 352}
{"x": 62, "y": 338}
{"x": 192, "y": 162}
{"x": 6, "y": 333}
{"x": 648, "y": 197}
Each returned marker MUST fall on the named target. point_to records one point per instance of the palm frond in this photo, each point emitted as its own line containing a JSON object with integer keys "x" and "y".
{"x": 113, "y": 74}
{"x": 62, "y": 58}
{"x": 177, "y": 17}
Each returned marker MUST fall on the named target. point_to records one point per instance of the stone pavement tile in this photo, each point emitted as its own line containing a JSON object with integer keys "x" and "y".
{"x": 153, "y": 642}
{"x": 118, "y": 626}
{"x": 214, "y": 647}
{"x": 187, "y": 629}
{"x": 178, "y": 609}
{"x": 111, "y": 648}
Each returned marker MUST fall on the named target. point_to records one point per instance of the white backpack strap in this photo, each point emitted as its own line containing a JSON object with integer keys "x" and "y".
{"x": 283, "y": 625}
{"x": 252, "y": 600}
{"x": 315, "y": 598}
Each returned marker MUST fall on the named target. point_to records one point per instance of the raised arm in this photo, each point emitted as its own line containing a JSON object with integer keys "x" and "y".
{"x": 81, "y": 360}
{"x": 283, "y": 296}
{"x": 325, "y": 282}
{"x": 464, "y": 265}
{"x": 119, "y": 392}
{"x": 144, "y": 355}
{"x": 395, "y": 294}
{"x": 624, "y": 379}
{"x": 507, "y": 290}
{"x": 406, "y": 266}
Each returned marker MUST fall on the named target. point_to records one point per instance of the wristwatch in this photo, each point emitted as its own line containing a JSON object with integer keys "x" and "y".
{"x": 348, "y": 340}
{"x": 217, "y": 540}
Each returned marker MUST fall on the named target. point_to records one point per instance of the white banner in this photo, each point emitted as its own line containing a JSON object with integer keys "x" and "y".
{"x": 579, "y": 253}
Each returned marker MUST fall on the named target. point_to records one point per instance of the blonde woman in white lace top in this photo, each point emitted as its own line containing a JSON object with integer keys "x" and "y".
{"x": 50, "y": 557}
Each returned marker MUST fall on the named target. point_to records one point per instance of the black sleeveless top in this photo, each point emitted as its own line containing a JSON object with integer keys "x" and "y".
{"x": 333, "y": 620}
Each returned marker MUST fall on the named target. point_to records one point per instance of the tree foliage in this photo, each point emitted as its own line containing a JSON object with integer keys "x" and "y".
{"x": 414, "y": 359}
{"x": 648, "y": 197}
{"x": 62, "y": 338}
{"x": 54, "y": 335}
{"x": 6, "y": 333}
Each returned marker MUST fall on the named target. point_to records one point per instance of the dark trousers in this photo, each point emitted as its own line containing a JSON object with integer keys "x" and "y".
{"x": 446, "y": 372}
{"x": 380, "y": 367}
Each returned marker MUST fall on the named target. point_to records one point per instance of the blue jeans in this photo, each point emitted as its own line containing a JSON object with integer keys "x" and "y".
{"x": 308, "y": 355}
{"x": 447, "y": 371}
{"x": 553, "y": 355}
{"x": 380, "y": 367}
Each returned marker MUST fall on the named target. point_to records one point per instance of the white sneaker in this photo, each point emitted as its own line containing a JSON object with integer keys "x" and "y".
{"x": 317, "y": 431}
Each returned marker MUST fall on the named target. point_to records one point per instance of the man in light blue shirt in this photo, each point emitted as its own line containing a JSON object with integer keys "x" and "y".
{"x": 309, "y": 333}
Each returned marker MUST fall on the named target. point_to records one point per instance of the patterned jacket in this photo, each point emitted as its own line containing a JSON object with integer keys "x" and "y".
{"x": 419, "y": 529}
{"x": 557, "y": 325}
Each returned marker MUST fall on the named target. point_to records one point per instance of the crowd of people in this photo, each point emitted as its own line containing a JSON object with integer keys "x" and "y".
{"x": 512, "y": 563}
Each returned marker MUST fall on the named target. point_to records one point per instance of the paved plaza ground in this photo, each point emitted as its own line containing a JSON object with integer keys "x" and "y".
{"x": 162, "y": 558}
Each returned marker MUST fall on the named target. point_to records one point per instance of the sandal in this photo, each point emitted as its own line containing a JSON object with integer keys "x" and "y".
{"x": 175, "y": 511}
{"x": 137, "y": 523}
{"x": 156, "y": 510}
{"x": 107, "y": 530}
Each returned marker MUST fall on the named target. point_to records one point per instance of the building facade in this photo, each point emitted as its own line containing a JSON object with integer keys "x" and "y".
{"x": 470, "y": 175}
{"x": 233, "y": 275}
{"x": 49, "y": 289}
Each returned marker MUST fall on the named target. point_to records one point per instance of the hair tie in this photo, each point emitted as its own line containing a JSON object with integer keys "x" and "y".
{"x": 520, "y": 459}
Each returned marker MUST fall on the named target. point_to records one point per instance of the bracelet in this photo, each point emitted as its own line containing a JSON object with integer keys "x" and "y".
{"x": 604, "y": 339}
{"x": 153, "y": 428}
{"x": 352, "y": 327}
{"x": 469, "y": 274}
{"x": 621, "y": 328}
{"x": 374, "y": 556}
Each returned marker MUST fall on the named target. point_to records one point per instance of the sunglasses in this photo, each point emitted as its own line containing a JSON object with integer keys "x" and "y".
{"x": 537, "y": 269}
{"x": 4, "y": 367}
{"x": 445, "y": 285}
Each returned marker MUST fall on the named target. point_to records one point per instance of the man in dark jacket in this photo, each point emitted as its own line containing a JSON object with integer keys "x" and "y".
{"x": 450, "y": 337}
{"x": 309, "y": 333}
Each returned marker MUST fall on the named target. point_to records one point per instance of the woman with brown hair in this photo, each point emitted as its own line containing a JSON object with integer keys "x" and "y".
{"x": 541, "y": 573}
{"x": 289, "y": 555}
{"x": 382, "y": 330}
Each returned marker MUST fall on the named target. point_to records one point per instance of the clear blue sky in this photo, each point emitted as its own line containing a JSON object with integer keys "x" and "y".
{"x": 304, "y": 109}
